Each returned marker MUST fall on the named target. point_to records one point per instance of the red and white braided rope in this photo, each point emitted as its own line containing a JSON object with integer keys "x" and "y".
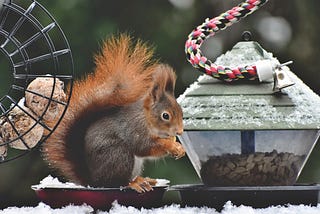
{"x": 208, "y": 29}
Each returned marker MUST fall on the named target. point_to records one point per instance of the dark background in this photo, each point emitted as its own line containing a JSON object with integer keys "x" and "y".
{"x": 287, "y": 28}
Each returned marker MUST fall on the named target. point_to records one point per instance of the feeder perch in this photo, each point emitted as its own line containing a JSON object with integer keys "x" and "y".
{"x": 247, "y": 143}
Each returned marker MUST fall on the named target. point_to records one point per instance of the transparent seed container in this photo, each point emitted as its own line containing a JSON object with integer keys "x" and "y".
{"x": 249, "y": 158}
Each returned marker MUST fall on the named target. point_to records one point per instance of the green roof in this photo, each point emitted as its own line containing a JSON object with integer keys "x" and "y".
{"x": 211, "y": 104}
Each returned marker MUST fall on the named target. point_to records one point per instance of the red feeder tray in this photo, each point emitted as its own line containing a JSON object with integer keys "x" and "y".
{"x": 100, "y": 198}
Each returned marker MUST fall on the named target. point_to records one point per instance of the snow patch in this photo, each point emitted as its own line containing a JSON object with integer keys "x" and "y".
{"x": 51, "y": 182}
{"x": 228, "y": 208}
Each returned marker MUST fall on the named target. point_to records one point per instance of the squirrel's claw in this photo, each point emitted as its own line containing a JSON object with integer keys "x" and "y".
{"x": 141, "y": 184}
{"x": 178, "y": 151}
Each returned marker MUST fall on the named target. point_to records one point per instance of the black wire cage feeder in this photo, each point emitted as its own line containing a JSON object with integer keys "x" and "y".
{"x": 36, "y": 63}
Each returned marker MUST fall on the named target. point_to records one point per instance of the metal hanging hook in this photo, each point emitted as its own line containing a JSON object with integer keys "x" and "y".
{"x": 281, "y": 78}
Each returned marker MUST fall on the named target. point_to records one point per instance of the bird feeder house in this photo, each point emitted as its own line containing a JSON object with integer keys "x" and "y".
{"x": 244, "y": 133}
{"x": 249, "y": 140}
{"x": 250, "y": 135}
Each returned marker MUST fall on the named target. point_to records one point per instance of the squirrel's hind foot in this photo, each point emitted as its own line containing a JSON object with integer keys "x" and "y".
{"x": 142, "y": 185}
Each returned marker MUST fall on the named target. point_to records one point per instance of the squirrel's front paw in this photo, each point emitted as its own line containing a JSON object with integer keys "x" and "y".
{"x": 169, "y": 146}
{"x": 141, "y": 184}
{"x": 177, "y": 151}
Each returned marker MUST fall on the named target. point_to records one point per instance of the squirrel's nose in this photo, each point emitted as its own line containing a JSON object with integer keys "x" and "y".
{"x": 179, "y": 131}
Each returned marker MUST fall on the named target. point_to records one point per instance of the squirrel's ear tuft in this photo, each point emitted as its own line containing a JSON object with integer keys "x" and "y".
{"x": 156, "y": 92}
{"x": 165, "y": 77}
{"x": 164, "y": 80}
{"x": 170, "y": 84}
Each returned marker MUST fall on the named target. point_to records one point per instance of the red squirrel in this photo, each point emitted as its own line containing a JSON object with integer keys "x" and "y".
{"x": 121, "y": 113}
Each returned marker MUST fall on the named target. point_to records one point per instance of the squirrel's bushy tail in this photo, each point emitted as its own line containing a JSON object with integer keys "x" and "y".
{"x": 123, "y": 74}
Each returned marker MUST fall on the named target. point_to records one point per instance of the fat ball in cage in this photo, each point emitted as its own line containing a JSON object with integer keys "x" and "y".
{"x": 36, "y": 65}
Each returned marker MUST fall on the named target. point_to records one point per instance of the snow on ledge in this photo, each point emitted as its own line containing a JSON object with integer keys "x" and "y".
{"x": 52, "y": 182}
{"x": 229, "y": 208}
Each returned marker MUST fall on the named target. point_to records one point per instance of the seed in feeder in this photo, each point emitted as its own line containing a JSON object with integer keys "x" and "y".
{"x": 19, "y": 125}
{"x": 265, "y": 168}
{"x": 269, "y": 168}
{"x": 258, "y": 157}
{"x": 240, "y": 170}
{"x": 231, "y": 165}
{"x": 43, "y": 98}
{"x": 241, "y": 163}
{"x": 250, "y": 158}
{"x": 226, "y": 170}
{"x": 250, "y": 166}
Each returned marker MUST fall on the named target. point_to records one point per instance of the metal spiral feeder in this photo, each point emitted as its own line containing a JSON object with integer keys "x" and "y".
{"x": 33, "y": 46}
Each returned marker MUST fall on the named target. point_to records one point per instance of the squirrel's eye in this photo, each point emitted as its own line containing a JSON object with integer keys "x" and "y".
{"x": 165, "y": 116}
